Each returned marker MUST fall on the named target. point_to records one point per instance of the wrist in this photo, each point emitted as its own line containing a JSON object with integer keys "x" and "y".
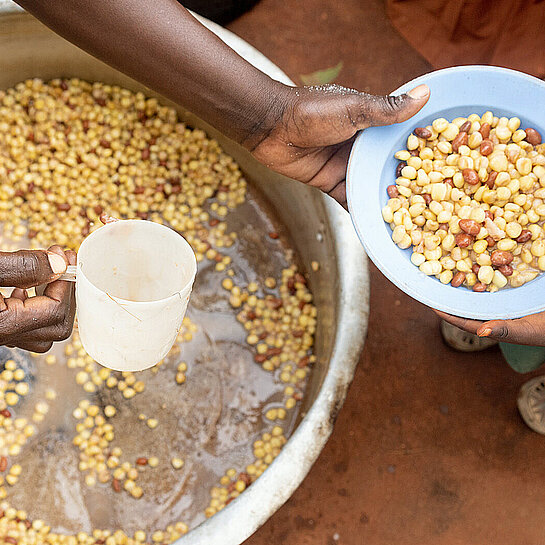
{"x": 269, "y": 105}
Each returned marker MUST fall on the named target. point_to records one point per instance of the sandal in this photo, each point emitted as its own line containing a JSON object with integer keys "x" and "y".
{"x": 462, "y": 340}
{"x": 531, "y": 404}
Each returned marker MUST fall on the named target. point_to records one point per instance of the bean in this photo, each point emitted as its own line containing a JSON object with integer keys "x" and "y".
{"x": 245, "y": 478}
{"x": 471, "y": 227}
{"x": 533, "y": 137}
{"x": 470, "y": 176}
{"x": 141, "y": 461}
{"x": 479, "y": 287}
{"x": 506, "y": 270}
{"x": 427, "y": 198}
{"x": 400, "y": 166}
{"x": 486, "y": 147}
{"x": 459, "y": 140}
{"x": 392, "y": 191}
{"x": 3, "y": 463}
{"x": 303, "y": 362}
{"x": 485, "y": 130}
{"x": 422, "y": 132}
{"x": 524, "y": 236}
{"x": 463, "y": 240}
{"x": 458, "y": 279}
{"x": 97, "y": 209}
{"x": 491, "y": 179}
{"x": 466, "y": 126}
{"x": 501, "y": 257}
{"x": 491, "y": 242}
{"x": 475, "y": 268}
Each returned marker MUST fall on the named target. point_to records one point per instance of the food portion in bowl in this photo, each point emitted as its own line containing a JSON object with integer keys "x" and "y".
{"x": 133, "y": 458}
{"x": 469, "y": 198}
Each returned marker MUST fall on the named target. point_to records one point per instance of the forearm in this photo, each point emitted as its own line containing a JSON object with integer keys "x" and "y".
{"x": 163, "y": 46}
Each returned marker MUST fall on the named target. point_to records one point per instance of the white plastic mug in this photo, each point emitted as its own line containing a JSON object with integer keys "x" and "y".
{"x": 133, "y": 283}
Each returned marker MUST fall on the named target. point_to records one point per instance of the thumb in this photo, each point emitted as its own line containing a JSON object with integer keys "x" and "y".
{"x": 371, "y": 110}
{"x": 527, "y": 330}
{"x": 29, "y": 268}
{"x": 494, "y": 329}
{"x": 325, "y": 118}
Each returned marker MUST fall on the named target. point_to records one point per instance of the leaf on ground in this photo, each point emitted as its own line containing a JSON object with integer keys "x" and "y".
{"x": 321, "y": 77}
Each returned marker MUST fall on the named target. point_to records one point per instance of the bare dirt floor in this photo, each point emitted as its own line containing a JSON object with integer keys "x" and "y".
{"x": 429, "y": 447}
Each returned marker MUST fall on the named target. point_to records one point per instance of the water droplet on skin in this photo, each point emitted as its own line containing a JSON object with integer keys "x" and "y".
{"x": 332, "y": 88}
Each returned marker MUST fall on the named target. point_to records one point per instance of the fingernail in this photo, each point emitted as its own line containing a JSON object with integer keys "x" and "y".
{"x": 422, "y": 91}
{"x": 486, "y": 332}
{"x": 57, "y": 263}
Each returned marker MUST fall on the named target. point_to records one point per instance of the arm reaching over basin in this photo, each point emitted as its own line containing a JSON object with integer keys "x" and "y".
{"x": 304, "y": 133}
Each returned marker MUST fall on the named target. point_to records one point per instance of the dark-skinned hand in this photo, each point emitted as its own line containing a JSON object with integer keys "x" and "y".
{"x": 310, "y": 137}
{"x": 529, "y": 330}
{"x": 34, "y": 323}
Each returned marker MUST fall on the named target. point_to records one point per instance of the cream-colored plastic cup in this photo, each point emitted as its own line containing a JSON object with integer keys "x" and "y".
{"x": 133, "y": 283}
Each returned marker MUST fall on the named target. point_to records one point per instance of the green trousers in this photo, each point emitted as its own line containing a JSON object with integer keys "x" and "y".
{"x": 523, "y": 359}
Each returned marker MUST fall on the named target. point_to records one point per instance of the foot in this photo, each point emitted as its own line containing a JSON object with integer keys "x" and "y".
{"x": 462, "y": 340}
{"x": 531, "y": 404}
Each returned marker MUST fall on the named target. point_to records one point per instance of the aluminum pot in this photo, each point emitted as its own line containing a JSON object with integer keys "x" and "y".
{"x": 320, "y": 230}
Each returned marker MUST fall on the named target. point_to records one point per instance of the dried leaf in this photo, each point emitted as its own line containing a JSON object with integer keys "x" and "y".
{"x": 321, "y": 77}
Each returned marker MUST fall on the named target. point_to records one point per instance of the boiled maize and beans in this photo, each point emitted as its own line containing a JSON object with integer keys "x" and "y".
{"x": 69, "y": 151}
{"x": 469, "y": 199}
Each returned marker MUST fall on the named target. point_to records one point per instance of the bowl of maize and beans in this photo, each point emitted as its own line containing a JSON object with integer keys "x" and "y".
{"x": 450, "y": 204}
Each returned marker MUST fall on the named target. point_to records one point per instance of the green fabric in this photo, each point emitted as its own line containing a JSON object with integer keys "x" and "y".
{"x": 521, "y": 358}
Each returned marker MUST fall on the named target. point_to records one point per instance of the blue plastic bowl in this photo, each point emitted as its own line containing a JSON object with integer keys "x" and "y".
{"x": 455, "y": 92}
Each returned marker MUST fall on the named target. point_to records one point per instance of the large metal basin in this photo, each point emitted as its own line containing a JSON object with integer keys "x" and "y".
{"x": 320, "y": 230}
